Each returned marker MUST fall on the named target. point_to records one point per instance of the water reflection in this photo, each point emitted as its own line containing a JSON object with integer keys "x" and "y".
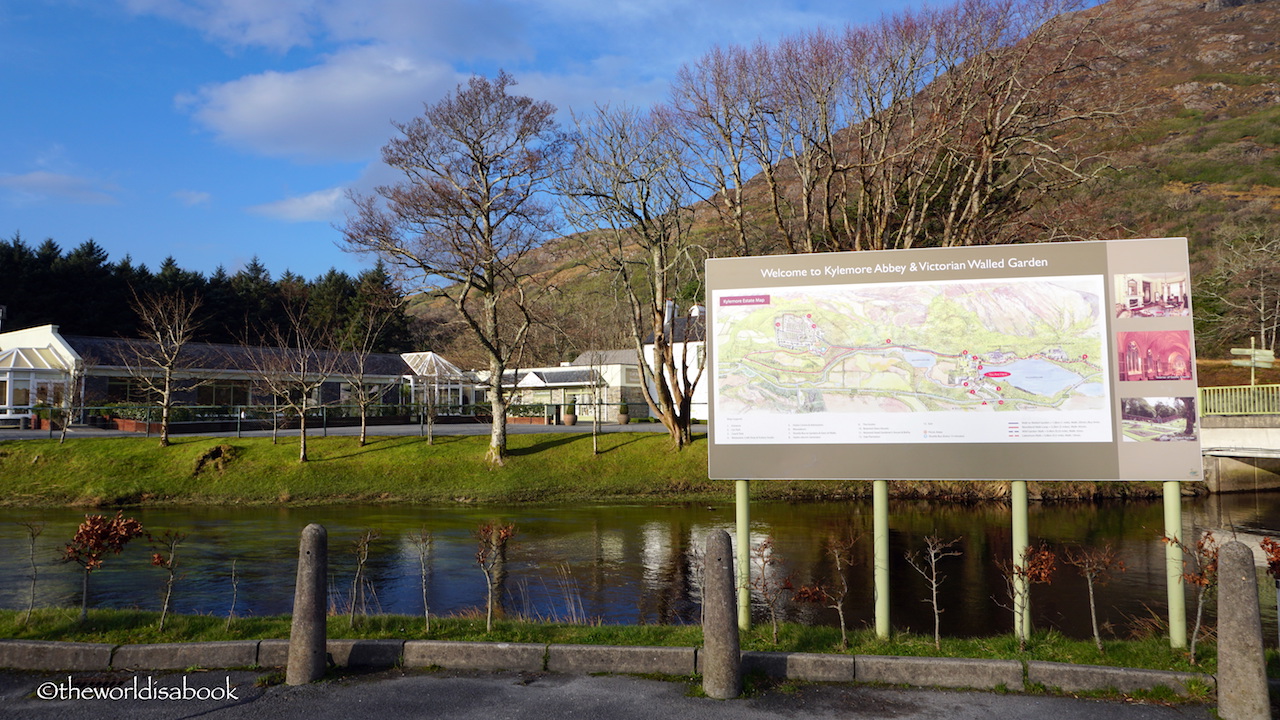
{"x": 623, "y": 564}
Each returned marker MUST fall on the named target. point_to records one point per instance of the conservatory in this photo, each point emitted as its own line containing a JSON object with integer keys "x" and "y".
{"x": 36, "y": 367}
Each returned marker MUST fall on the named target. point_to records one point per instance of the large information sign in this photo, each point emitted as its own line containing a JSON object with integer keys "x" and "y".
{"x": 1060, "y": 361}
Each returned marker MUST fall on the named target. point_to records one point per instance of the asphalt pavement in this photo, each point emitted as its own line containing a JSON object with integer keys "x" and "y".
{"x": 390, "y": 695}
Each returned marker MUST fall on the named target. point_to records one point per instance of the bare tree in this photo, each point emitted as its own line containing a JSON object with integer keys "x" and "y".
{"x": 1242, "y": 286}
{"x": 75, "y": 394}
{"x": 627, "y": 188}
{"x": 166, "y": 557}
{"x": 1034, "y": 567}
{"x": 720, "y": 104}
{"x": 475, "y": 165}
{"x": 358, "y": 342}
{"x": 360, "y": 584}
{"x": 935, "y": 550}
{"x": 1095, "y": 565}
{"x": 929, "y": 127}
{"x": 810, "y": 72}
{"x": 167, "y": 322}
{"x": 424, "y": 542}
{"x": 492, "y": 539}
{"x": 295, "y": 366}
{"x": 768, "y": 580}
{"x": 34, "y": 529}
{"x": 840, "y": 546}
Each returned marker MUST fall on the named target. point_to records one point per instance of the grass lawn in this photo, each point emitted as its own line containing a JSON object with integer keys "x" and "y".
{"x": 105, "y": 472}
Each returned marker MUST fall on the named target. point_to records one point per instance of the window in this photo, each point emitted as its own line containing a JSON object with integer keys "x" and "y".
{"x": 226, "y": 392}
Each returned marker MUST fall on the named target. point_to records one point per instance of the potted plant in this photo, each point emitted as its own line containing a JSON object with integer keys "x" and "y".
{"x": 624, "y": 413}
{"x": 571, "y": 414}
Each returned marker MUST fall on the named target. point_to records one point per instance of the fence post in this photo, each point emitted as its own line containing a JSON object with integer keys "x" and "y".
{"x": 722, "y": 662}
{"x": 307, "y": 636}
{"x": 1242, "y": 674}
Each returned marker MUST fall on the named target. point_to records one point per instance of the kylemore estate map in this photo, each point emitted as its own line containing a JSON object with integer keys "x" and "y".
{"x": 836, "y": 363}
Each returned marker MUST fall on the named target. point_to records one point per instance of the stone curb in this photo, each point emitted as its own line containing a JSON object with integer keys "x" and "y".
{"x": 178, "y": 656}
{"x": 585, "y": 659}
{"x": 807, "y": 667}
{"x": 51, "y": 655}
{"x": 940, "y": 672}
{"x": 475, "y": 655}
{"x": 1073, "y": 678}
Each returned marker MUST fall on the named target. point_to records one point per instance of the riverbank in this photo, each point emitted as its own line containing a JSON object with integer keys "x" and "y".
{"x": 543, "y": 467}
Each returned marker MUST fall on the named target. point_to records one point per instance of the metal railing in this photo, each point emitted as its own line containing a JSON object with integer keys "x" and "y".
{"x": 1240, "y": 400}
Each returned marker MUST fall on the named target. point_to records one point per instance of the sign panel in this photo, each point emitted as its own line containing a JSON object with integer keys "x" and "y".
{"x": 1062, "y": 361}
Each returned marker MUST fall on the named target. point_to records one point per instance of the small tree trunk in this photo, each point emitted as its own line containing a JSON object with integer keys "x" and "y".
{"x": 85, "y": 597}
{"x": 364, "y": 424}
{"x": 168, "y": 594}
{"x": 1093, "y": 615}
{"x": 497, "y": 455}
{"x": 302, "y": 434}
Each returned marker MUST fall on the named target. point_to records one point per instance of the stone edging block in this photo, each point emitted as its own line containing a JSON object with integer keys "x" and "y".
{"x": 940, "y": 672}
{"x": 1100, "y": 677}
{"x": 53, "y": 655}
{"x": 475, "y": 655}
{"x": 273, "y": 653}
{"x": 365, "y": 653}
{"x": 581, "y": 659}
{"x": 178, "y": 656}
{"x": 807, "y": 667}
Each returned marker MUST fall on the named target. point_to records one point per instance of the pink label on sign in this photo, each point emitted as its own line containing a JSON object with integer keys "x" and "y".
{"x": 744, "y": 300}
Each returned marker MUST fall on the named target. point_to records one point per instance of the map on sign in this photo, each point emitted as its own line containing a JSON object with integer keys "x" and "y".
{"x": 1010, "y": 360}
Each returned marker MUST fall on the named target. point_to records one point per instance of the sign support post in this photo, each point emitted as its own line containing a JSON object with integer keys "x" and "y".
{"x": 1173, "y": 564}
{"x": 743, "y": 488}
{"x": 1021, "y": 542}
{"x": 880, "y": 537}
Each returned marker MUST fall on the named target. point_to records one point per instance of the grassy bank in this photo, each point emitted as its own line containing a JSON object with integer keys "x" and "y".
{"x": 541, "y": 468}
{"x": 138, "y": 627}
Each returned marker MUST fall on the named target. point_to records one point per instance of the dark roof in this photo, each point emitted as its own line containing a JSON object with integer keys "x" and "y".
{"x": 120, "y": 352}
{"x": 553, "y": 376}
{"x": 567, "y": 376}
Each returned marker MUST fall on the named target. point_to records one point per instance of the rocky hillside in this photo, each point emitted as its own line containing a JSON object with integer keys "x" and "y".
{"x": 1203, "y": 145}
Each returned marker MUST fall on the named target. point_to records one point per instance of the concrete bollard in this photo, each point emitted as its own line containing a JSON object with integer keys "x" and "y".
{"x": 722, "y": 661}
{"x": 1242, "y": 675}
{"x": 307, "y": 636}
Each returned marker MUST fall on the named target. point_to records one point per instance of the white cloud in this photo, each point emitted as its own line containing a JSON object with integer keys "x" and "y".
{"x": 191, "y": 198}
{"x": 274, "y": 24}
{"x": 386, "y": 57}
{"x": 43, "y": 185}
{"x": 319, "y": 206}
{"x": 339, "y": 110}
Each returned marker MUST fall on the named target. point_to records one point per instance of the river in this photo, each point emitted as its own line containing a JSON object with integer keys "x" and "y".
{"x": 622, "y": 563}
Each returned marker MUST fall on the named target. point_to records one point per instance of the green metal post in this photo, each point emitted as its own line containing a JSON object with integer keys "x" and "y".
{"x": 880, "y": 538}
{"x": 1173, "y": 565}
{"x": 1021, "y": 541}
{"x": 743, "y": 488}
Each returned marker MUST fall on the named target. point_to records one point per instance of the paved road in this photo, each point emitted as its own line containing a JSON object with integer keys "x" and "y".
{"x": 384, "y": 430}
{"x": 506, "y": 695}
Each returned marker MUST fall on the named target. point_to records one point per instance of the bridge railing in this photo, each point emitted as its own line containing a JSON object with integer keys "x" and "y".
{"x": 1240, "y": 400}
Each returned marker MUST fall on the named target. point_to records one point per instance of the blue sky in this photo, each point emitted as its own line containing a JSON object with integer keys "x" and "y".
{"x": 217, "y": 130}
